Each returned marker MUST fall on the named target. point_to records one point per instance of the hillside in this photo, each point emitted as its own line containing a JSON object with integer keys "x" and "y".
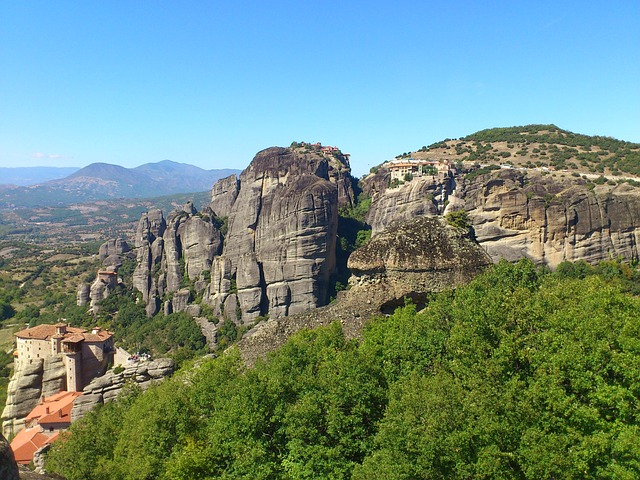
{"x": 539, "y": 146}
{"x": 103, "y": 181}
{"x": 24, "y": 176}
{"x": 521, "y": 374}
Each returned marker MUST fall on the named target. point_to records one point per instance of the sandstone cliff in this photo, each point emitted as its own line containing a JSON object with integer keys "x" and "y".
{"x": 548, "y": 218}
{"x": 551, "y": 220}
{"x": 279, "y": 252}
{"x": 27, "y": 386}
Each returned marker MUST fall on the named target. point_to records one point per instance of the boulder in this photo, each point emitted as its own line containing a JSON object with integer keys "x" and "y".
{"x": 8, "y": 465}
{"x": 416, "y": 257}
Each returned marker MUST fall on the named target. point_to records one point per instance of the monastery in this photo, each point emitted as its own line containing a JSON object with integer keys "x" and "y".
{"x": 86, "y": 354}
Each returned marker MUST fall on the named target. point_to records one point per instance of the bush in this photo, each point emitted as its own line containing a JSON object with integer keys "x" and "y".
{"x": 459, "y": 219}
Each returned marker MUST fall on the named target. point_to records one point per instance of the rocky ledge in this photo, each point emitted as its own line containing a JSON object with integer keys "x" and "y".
{"x": 107, "y": 387}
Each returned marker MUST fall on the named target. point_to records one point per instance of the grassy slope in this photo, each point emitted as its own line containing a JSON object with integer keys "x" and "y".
{"x": 540, "y": 146}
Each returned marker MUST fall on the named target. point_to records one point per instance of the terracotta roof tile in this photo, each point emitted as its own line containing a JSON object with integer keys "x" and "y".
{"x": 45, "y": 332}
{"x": 27, "y": 441}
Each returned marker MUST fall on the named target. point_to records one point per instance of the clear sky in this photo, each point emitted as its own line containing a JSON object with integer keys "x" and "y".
{"x": 212, "y": 82}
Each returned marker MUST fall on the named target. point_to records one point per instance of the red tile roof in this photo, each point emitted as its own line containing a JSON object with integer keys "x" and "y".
{"x": 27, "y": 441}
{"x": 45, "y": 332}
{"x": 54, "y": 409}
{"x": 73, "y": 334}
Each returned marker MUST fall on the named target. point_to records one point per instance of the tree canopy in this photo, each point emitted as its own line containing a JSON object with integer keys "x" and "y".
{"x": 520, "y": 374}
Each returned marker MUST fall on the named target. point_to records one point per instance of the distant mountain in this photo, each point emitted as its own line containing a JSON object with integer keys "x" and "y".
{"x": 24, "y": 176}
{"x": 100, "y": 181}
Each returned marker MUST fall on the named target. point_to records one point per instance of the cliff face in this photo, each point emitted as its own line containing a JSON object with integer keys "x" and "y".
{"x": 43, "y": 377}
{"x": 420, "y": 197}
{"x": 279, "y": 251}
{"x": 184, "y": 244}
{"x": 527, "y": 214}
{"x": 551, "y": 220}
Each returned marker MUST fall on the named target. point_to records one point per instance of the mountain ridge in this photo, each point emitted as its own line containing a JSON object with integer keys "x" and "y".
{"x": 101, "y": 181}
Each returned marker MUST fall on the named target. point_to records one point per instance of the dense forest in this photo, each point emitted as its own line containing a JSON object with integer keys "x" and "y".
{"x": 522, "y": 373}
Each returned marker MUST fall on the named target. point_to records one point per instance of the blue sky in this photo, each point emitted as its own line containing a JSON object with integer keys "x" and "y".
{"x": 211, "y": 83}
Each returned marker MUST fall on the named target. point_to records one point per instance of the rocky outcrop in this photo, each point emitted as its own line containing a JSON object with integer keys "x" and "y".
{"x": 107, "y": 387}
{"x": 224, "y": 194}
{"x": 39, "y": 459}
{"x": 8, "y": 465}
{"x": 279, "y": 251}
{"x": 420, "y": 197}
{"x": 184, "y": 244}
{"x": 550, "y": 220}
{"x": 409, "y": 259}
{"x": 418, "y": 256}
{"x": 83, "y": 294}
{"x": 27, "y": 386}
{"x": 106, "y": 281}
{"x": 149, "y": 246}
{"x": 113, "y": 251}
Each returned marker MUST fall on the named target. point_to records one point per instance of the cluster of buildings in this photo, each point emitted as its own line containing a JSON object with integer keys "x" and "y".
{"x": 404, "y": 168}
{"x": 328, "y": 149}
{"x": 86, "y": 354}
{"x": 43, "y": 425}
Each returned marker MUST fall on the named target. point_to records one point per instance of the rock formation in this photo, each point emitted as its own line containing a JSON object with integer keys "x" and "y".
{"x": 420, "y": 255}
{"x": 109, "y": 386}
{"x": 113, "y": 251}
{"x": 550, "y": 220}
{"x": 167, "y": 250}
{"x": 42, "y": 377}
{"x": 279, "y": 252}
{"x": 529, "y": 214}
{"x": 420, "y": 197}
{"x": 410, "y": 259}
{"x": 224, "y": 194}
{"x": 8, "y": 465}
{"x": 106, "y": 281}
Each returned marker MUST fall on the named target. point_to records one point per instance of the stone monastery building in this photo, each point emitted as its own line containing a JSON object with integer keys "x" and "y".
{"x": 86, "y": 354}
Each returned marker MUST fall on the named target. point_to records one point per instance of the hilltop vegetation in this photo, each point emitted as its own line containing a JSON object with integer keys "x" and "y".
{"x": 540, "y": 146}
{"x": 520, "y": 374}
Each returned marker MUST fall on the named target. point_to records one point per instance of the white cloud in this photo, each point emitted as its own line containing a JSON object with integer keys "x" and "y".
{"x": 52, "y": 156}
